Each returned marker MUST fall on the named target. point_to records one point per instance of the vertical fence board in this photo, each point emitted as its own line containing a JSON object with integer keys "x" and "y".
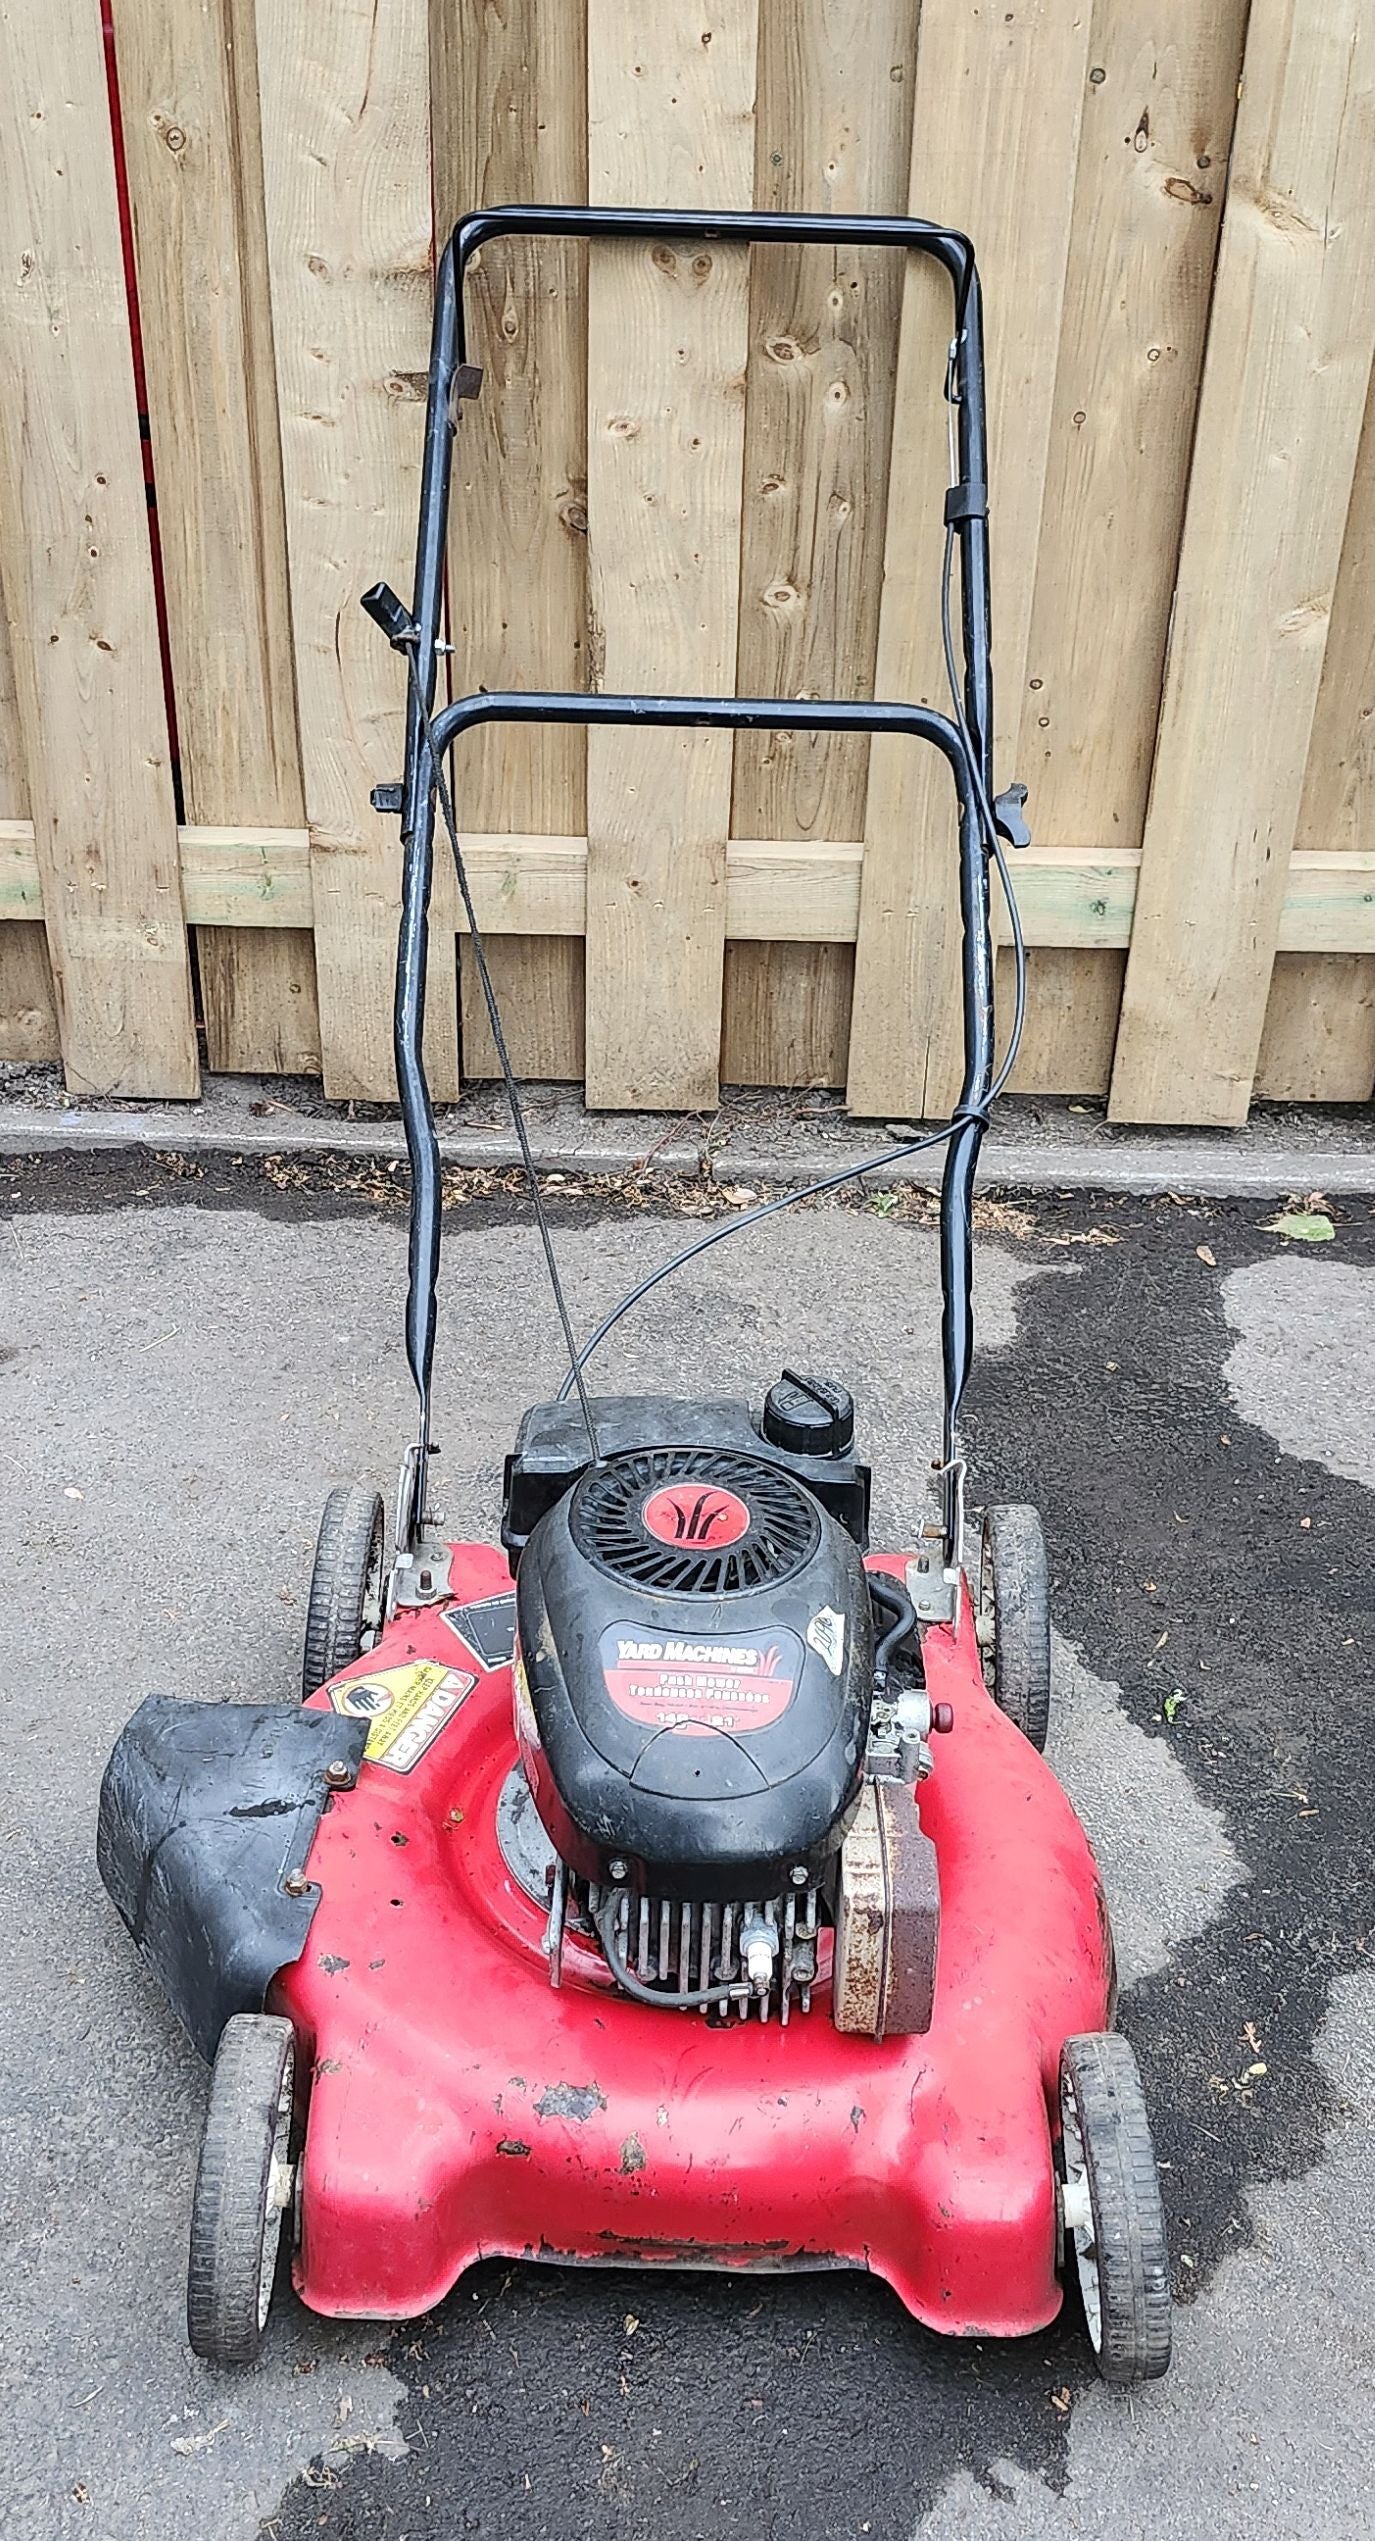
{"x": 261, "y": 1011}
{"x": 346, "y": 149}
{"x": 832, "y": 133}
{"x": 539, "y": 984}
{"x": 1280, "y": 414}
{"x": 994, "y": 147}
{"x": 14, "y": 792}
{"x": 1337, "y": 812}
{"x": 195, "y": 193}
{"x": 1073, "y": 1002}
{"x": 1319, "y": 1039}
{"x": 668, "y": 340}
{"x": 1318, "y": 1043}
{"x": 787, "y": 1014}
{"x": 1159, "y": 105}
{"x": 28, "y": 1014}
{"x": 77, "y": 573}
{"x": 510, "y": 121}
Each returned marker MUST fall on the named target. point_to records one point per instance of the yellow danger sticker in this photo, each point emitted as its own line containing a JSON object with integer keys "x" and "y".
{"x": 407, "y": 1707}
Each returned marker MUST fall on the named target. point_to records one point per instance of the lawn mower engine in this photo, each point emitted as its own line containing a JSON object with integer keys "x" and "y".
{"x": 694, "y": 1695}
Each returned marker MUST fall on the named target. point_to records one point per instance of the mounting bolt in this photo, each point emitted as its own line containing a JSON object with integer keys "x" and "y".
{"x": 616, "y": 1870}
{"x": 798, "y": 1874}
{"x": 296, "y": 1883}
{"x": 338, "y": 1772}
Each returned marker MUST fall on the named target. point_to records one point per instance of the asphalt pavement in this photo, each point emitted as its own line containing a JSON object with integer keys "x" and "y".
{"x": 190, "y": 1355}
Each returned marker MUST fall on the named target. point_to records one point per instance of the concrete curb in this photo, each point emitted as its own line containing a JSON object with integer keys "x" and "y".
{"x": 1250, "y": 1164}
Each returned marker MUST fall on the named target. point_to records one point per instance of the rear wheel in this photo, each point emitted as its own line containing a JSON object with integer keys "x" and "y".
{"x": 346, "y": 1585}
{"x": 243, "y": 2188}
{"x": 1013, "y": 1618}
{"x": 1114, "y": 2221}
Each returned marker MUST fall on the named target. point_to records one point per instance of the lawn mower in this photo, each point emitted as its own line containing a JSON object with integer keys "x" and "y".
{"x": 680, "y": 1884}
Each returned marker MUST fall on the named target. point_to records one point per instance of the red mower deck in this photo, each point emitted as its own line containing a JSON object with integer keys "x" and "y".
{"x": 460, "y": 2108}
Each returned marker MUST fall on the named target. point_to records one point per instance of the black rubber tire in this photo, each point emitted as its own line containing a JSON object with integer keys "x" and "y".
{"x": 346, "y": 1584}
{"x": 1129, "y": 2257}
{"x": 234, "y": 2234}
{"x": 1014, "y": 1618}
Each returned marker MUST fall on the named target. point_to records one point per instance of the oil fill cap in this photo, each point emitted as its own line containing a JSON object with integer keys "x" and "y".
{"x": 808, "y": 1416}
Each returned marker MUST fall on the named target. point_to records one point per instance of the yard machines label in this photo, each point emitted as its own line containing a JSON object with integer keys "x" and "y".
{"x": 691, "y": 1685}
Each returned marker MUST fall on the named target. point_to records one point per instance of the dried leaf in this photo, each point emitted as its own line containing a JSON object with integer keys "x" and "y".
{"x": 1206, "y": 1254}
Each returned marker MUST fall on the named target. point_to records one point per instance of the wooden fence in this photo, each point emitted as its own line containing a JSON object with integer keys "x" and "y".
{"x": 687, "y": 470}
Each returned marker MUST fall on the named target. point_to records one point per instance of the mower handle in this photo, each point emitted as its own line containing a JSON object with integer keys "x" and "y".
{"x": 452, "y": 378}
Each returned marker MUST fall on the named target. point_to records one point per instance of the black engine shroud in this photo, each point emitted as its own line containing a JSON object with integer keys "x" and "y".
{"x": 694, "y": 1673}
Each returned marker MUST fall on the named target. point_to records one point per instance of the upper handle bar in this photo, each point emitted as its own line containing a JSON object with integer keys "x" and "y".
{"x": 949, "y": 247}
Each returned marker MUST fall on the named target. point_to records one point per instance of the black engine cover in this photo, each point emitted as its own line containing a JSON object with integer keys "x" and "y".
{"x": 694, "y": 1674}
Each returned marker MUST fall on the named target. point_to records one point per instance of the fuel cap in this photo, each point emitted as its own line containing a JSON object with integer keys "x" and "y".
{"x": 809, "y": 1416}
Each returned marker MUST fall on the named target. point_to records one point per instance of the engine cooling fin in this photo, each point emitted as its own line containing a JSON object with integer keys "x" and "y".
{"x": 694, "y": 1521}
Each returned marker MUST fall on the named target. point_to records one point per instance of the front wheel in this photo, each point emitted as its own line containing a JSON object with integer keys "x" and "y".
{"x": 1013, "y": 1618}
{"x": 243, "y": 2188}
{"x": 346, "y": 1585}
{"x": 1110, "y": 2203}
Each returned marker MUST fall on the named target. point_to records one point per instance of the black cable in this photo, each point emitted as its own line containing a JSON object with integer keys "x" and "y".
{"x": 748, "y": 1217}
{"x": 696, "y": 2000}
{"x": 911, "y": 1146}
{"x": 575, "y": 1375}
